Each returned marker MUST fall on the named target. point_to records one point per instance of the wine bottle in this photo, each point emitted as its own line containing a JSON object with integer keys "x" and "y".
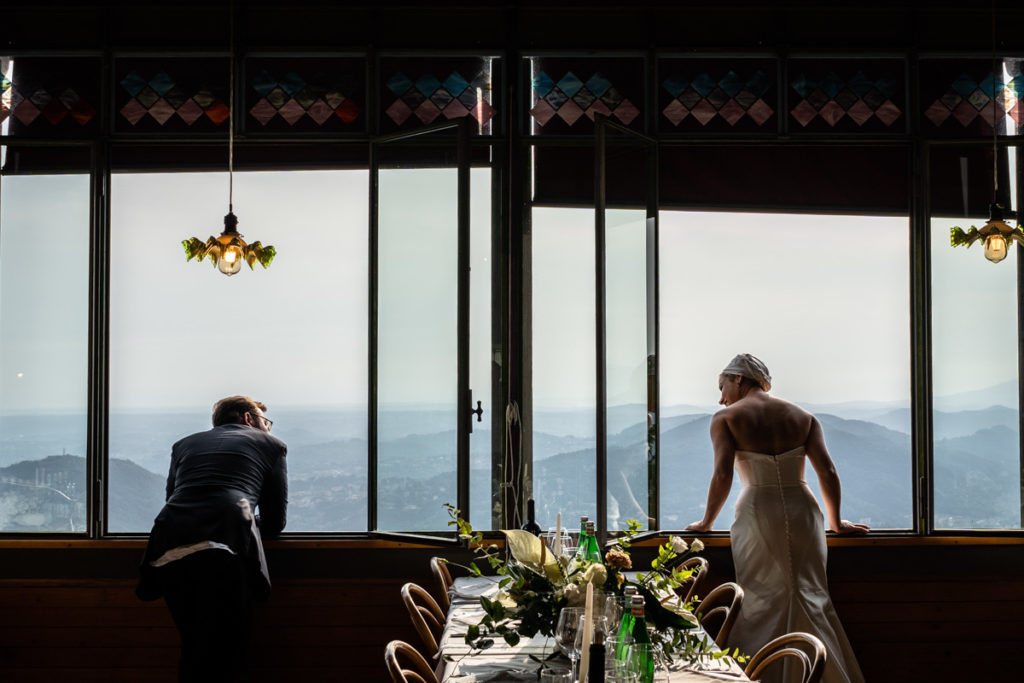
{"x": 531, "y": 522}
{"x": 596, "y": 673}
{"x": 642, "y": 658}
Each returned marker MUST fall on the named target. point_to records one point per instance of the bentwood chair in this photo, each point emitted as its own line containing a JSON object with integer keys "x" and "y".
{"x": 718, "y": 611}
{"x": 426, "y": 615}
{"x": 688, "y": 589}
{"x": 443, "y": 578}
{"x": 406, "y": 664}
{"x": 805, "y": 648}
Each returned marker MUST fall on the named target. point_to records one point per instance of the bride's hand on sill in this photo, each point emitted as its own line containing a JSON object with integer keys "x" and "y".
{"x": 699, "y": 527}
{"x": 847, "y": 528}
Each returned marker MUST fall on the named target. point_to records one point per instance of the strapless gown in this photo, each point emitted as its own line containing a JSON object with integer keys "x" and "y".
{"x": 778, "y": 547}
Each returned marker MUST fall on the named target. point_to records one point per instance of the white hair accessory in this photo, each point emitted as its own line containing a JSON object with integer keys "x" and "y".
{"x": 750, "y": 367}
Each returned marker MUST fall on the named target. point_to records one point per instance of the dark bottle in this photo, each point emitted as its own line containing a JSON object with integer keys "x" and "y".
{"x": 596, "y": 673}
{"x": 531, "y": 523}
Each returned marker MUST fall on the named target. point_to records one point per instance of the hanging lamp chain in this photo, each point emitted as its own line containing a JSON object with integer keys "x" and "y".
{"x": 231, "y": 107}
{"x": 996, "y": 75}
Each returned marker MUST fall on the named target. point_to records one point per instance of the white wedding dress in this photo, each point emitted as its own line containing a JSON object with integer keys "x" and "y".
{"x": 778, "y": 547}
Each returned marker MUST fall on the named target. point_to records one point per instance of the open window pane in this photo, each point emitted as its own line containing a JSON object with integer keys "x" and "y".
{"x": 824, "y": 302}
{"x": 44, "y": 312}
{"x": 182, "y": 335}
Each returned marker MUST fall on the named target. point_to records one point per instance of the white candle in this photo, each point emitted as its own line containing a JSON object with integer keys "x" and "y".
{"x": 557, "y": 548}
{"x": 588, "y": 633}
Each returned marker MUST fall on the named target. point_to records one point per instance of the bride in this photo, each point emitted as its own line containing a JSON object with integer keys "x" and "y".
{"x": 778, "y": 538}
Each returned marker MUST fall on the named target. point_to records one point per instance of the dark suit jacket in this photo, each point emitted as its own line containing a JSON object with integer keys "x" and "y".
{"x": 216, "y": 481}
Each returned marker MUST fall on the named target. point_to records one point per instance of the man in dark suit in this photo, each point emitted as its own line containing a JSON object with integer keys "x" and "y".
{"x": 205, "y": 554}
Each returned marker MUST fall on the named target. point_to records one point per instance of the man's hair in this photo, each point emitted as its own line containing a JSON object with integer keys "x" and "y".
{"x": 232, "y": 410}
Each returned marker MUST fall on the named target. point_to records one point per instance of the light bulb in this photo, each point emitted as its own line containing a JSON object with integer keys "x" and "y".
{"x": 230, "y": 261}
{"x": 995, "y": 247}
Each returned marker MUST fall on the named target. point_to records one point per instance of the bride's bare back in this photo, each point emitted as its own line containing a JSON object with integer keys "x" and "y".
{"x": 764, "y": 424}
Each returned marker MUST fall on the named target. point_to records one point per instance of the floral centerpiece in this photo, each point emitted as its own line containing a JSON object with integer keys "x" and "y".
{"x": 535, "y": 584}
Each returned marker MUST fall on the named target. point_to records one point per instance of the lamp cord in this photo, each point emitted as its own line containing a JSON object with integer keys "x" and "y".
{"x": 231, "y": 108}
{"x": 996, "y": 75}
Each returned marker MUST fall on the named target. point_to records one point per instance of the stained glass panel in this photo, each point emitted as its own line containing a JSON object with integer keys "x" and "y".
{"x": 847, "y": 95}
{"x": 421, "y": 91}
{"x": 565, "y": 93}
{"x": 962, "y": 97}
{"x": 170, "y": 94}
{"x": 285, "y": 94}
{"x": 49, "y": 96}
{"x": 698, "y": 95}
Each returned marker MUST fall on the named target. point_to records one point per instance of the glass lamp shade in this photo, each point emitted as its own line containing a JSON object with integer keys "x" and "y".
{"x": 230, "y": 261}
{"x": 995, "y": 247}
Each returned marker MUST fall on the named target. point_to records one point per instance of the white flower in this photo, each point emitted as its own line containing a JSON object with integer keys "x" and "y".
{"x": 596, "y": 574}
{"x": 679, "y": 545}
{"x": 697, "y": 545}
{"x": 574, "y": 597}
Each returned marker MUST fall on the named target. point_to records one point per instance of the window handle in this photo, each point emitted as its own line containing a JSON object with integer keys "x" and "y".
{"x": 479, "y": 412}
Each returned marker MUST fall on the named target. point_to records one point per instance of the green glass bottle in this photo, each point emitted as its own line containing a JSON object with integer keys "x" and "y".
{"x": 591, "y": 551}
{"x": 626, "y": 625}
{"x": 583, "y": 537}
{"x": 641, "y": 658}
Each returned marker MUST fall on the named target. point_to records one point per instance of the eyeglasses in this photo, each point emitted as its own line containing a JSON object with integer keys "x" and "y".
{"x": 267, "y": 420}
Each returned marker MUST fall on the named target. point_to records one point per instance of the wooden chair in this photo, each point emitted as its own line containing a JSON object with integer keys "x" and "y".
{"x": 720, "y": 608}
{"x": 444, "y": 580}
{"x": 699, "y": 566}
{"x": 426, "y": 615}
{"x": 406, "y": 664}
{"x": 803, "y": 647}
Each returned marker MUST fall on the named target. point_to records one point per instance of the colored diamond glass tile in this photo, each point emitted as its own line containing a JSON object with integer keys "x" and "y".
{"x": 759, "y": 83}
{"x": 760, "y": 112}
{"x": 133, "y": 83}
{"x": 347, "y": 111}
{"x": 204, "y": 98}
{"x": 263, "y": 83}
{"x": 817, "y": 98}
{"x": 427, "y": 111}
{"x": 626, "y": 112}
{"x": 133, "y": 111}
{"x": 598, "y": 107}
{"x": 704, "y": 84}
{"x": 704, "y": 112}
{"x": 873, "y": 98}
{"x": 68, "y": 97}
{"x": 83, "y": 112}
{"x": 320, "y": 111}
{"x": 161, "y": 111}
{"x": 965, "y": 113}
{"x": 846, "y": 98}
{"x": 978, "y": 99}
{"x": 831, "y": 113}
{"x": 986, "y": 86}
{"x": 675, "y": 112}
{"x": 398, "y": 112}
{"x": 717, "y": 98}
{"x": 54, "y": 112}
{"x": 950, "y": 99}
{"x": 1005, "y": 99}
{"x": 26, "y": 112}
{"x": 482, "y": 112}
{"x": 556, "y": 98}
{"x": 334, "y": 99}
{"x": 803, "y": 85}
{"x": 832, "y": 84}
{"x": 584, "y": 98}
{"x": 745, "y": 98}
{"x": 292, "y": 83}
{"x": 570, "y": 84}
{"x": 964, "y": 85}
{"x": 454, "y": 110}
{"x": 859, "y": 84}
{"x": 441, "y": 98}
{"x": 731, "y": 112}
{"x": 190, "y": 111}
{"x": 570, "y": 112}
{"x": 937, "y": 113}
{"x": 414, "y": 98}
{"x": 262, "y": 111}
{"x": 176, "y": 97}
{"x": 731, "y": 83}
{"x": 161, "y": 83}
{"x": 468, "y": 98}
{"x": 147, "y": 97}
{"x": 292, "y": 111}
{"x": 305, "y": 97}
{"x": 427, "y": 84}
{"x": 675, "y": 85}
{"x": 217, "y": 112}
{"x": 542, "y": 112}
{"x": 598, "y": 84}
{"x": 860, "y": 112}
{"x": 690, "y": 98}
{"x": 40, "y": 98}
{"x": 803, "y": 113}
{"x": 888, "y": 113}
{"x": 1015, "y": 113}
{"x": 15, "y": 98}
{"x": 482, "y": 81}
{"x": 1016, "y": 84}
{"x": 612, "y": 98}
{"x": 455, "y": 83}
{"x": 542, "y": 84}
{"x": 888, "y": 85}
{"x": 988, "y": 115}
{"x": 277, "y": 97}
{"x": 398, "y": 84}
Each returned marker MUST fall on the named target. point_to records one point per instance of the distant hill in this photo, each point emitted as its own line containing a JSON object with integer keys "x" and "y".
{"x": 946, "y": 425}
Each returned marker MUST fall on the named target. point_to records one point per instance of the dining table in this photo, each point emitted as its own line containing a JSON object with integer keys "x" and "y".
{"x": 460, "y": 663}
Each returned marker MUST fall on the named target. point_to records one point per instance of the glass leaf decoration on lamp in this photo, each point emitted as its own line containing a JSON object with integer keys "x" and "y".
{"x": 996, "y": 234}
{"x": 228, "y": 250}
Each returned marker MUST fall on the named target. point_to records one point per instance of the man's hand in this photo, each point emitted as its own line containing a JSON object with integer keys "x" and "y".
{"x": 699, "y": 527}
{"x": 847, "y": 528}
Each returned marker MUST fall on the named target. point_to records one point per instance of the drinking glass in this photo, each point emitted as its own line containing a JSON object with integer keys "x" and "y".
{"x": 565, "y": 631}
{"x": 640, "y": 660}
{"x": 600, "y": 628}
{"x": 620, "y": 675}
{"x": 548, "y": 676}
{"x": 614, "y": 605}
{"x": 565, "y": 546}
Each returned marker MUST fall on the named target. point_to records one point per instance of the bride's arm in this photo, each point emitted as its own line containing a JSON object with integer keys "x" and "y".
{"x": 721, "y": 478}
{"x": 828, "y": 480}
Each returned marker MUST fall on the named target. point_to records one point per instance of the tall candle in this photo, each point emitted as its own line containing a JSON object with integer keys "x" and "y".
{"x": 557, "y": 548}
{"x": 588, "y": 633}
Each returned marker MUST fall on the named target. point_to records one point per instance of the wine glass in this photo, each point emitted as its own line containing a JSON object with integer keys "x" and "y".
{"x": 565, "y": 544}
{"x": 600, "y": 629}
{"x": 565, "y": 631}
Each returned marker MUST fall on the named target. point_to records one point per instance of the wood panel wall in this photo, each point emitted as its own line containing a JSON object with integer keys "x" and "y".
{"x": 913, "y": 614}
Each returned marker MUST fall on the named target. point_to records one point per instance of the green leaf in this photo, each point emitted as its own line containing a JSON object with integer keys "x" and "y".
{"x": 512, "y": 638}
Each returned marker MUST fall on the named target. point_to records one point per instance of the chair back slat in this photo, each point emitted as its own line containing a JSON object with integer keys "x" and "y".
{"x": 399, "y": 656}
{"x": 426, "y": 615}
{"x": 803, "y": 647}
